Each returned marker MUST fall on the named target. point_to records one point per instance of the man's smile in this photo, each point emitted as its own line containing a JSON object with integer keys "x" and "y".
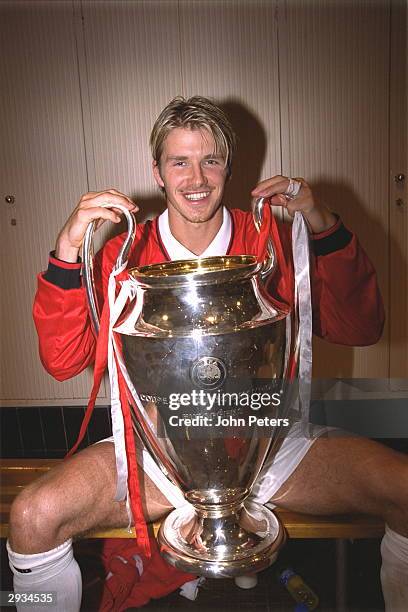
{"x": 197, "y": 195}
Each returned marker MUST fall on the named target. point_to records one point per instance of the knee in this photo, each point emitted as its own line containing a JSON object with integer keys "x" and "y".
{"x": 33, "y": 519}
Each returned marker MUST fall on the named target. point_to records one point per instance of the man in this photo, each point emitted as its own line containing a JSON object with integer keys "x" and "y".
{"x": 192, "y": 144}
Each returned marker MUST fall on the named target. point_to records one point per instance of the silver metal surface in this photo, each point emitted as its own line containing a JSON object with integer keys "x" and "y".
{"x": 184, "y": 323}
{"x": 231, "y": 546}
{"x": 10, "y": 199}
{"x": 207, "y": 327}
{"x": 270, "y": 263}
{"x": 88, "y": 260}
{"x": 399, "y": 178}
{"x": 209, "y": 315}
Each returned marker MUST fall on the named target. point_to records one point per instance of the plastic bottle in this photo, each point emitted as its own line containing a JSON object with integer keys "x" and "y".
{"x": 299, "y": 590}
{"x": 301, "y": 608}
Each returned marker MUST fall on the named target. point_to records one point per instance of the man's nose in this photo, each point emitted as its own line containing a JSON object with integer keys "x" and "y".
{"x": 198, "y": 175}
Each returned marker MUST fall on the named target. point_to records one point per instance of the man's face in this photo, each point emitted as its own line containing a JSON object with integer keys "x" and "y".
{"x": 192, "y": 175}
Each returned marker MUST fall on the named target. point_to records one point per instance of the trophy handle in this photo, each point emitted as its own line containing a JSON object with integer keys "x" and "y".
{"x": 140, "y": 427}
{"x": 270, "y": 261}
{"x": 88, "y": 260}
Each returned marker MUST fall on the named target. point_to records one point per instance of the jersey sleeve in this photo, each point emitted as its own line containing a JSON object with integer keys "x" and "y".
{"x": 67, "y": 340}
{"x": 60, "y": 311}
{"x": 347, "y": 303}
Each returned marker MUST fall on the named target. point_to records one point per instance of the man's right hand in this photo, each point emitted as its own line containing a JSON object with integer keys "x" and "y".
{"x": 89, "y": 209}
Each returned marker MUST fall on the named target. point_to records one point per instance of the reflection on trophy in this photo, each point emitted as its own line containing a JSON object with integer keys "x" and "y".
{"x": 208, "y": 353}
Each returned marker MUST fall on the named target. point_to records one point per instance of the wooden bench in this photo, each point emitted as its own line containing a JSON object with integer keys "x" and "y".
{"x": 15, "y": 474}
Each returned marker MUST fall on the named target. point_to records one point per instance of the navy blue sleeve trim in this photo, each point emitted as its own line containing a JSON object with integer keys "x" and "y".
{"x": 333, "y": 242}
{"x": 65, "y": 278}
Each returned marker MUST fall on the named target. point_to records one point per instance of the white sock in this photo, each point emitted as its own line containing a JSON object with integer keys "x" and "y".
{"x": 53, "y": 571}
{"x": 394, "y": 571}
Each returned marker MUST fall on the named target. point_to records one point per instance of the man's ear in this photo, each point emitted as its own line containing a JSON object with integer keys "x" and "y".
{"x": 156, "y": 174}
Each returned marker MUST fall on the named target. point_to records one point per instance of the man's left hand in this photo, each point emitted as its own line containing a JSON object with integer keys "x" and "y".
{"x": 318, "y": 217}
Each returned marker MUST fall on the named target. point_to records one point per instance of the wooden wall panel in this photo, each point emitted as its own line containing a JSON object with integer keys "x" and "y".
{"x": 43, "y": 166}
{"x": 133, "y": 70}
{"x": 229, "y": 51}
{"x": 335, "y": 93}
{"x": 398, "y": 272}
{"x": 307, "y": 87}
{"x": 139, "y": 55}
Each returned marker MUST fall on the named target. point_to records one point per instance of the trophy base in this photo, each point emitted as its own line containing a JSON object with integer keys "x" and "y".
{"x": 244, "y": 541}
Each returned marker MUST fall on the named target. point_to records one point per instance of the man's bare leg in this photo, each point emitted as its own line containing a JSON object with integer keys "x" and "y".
{"x": 72, "y": 499}
{"x": 349, "y": 474}
{"x": 345, "y": 474}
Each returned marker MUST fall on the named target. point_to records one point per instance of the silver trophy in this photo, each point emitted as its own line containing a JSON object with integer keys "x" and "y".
{"x": 209, "y": 355}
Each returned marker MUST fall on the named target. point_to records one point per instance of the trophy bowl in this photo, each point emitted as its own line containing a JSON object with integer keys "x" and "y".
{"x": 208, "y": 352}
{"x": 208, "y": 356}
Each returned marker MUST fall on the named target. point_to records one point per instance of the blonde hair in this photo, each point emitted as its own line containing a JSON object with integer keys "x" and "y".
{"x": 194, "y": 113}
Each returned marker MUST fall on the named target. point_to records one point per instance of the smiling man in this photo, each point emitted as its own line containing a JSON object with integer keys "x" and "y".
{"x": 194, "y": 186}
{"x": 192, "y": 147}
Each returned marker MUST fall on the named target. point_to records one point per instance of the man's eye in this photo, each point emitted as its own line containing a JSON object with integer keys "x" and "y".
{"x": 179, "y": 163}
{"x": 212, "y": 162}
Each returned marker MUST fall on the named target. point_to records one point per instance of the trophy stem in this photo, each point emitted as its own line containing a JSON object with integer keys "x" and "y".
{"x": 217, "y": 511}
{"x": 220, "y": 543}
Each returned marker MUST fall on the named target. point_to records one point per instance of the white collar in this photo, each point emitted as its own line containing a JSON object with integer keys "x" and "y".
{"x": 174, "y": 248}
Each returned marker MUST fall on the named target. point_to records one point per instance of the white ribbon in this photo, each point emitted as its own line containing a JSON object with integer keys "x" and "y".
{"x": 130, "y": 290}
{"x": 118, "y": 427}
{"x": 303, "y": 305}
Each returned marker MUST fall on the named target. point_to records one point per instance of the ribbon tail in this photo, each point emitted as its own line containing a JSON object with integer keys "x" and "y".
{"x": 264, "y": 234}
{"x": 303, "y": 307}
{"x": 125, "y": 450}
{"x": 101, "y": 359}
{"x": 133, "y": 477}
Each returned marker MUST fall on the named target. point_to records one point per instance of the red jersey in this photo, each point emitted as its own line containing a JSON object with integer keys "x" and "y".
{"x": 346, "y": 302}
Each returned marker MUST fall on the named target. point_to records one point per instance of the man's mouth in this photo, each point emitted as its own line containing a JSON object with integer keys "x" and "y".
{"x": 199, "y": 195}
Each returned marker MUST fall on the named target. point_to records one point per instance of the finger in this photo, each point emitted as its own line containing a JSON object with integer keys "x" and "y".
{"x": 272, "y": 179}
{"x": 120, "y": 212}
{"x": 92, "y": 194}
{"x": 279, "y": 200}
{"x": 109, "y": 197}
{"x": 293, "y": 208}
{"x": 87, "y": 215}
{"x": 108, "y": 201}
{"x": 116, "y": 192}
{"x": 271, "y": 187}
{"x": 267, "y": 183}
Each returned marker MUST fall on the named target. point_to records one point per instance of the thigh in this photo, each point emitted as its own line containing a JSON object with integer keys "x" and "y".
{"x": 345, "y": 474}
{"x": 78, "y": 494}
